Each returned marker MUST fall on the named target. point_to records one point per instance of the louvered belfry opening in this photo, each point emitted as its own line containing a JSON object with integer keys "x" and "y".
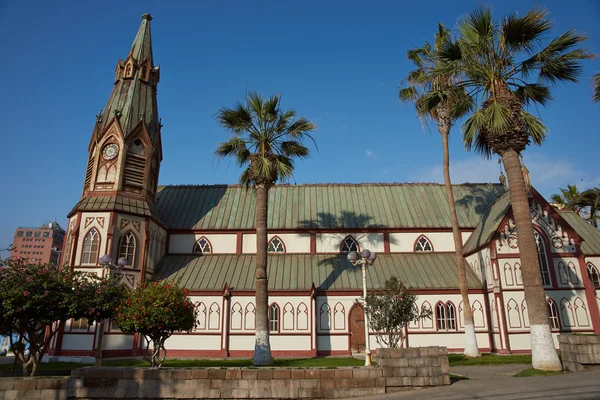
{"x": 88, "y": 172}
{"x": 135, "y": 167}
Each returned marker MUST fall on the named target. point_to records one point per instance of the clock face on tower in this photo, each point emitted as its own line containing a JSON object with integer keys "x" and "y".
{"x": 110, "y": 151}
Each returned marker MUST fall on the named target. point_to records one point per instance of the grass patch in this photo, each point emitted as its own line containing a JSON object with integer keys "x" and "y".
{"x": 536, "y": 372}
{"x": 278, "y": 362}
{"x": 488, "y": 359}
{"x": 62, "y": 368}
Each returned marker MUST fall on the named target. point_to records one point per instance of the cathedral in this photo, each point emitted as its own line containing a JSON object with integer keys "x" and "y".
{"x": 203, "y": 238}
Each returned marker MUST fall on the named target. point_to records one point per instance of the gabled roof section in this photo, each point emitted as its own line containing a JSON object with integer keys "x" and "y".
{"x": 300, "y": 271}
{"x": 132, "y": 100}
{"x": 488, "y": 225}
{"x": 589, "y": 234}
{"x": 116, "y": 203}
{"x": 325, "y": 206}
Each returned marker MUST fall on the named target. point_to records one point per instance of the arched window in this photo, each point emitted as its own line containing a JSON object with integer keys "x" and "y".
{"x": 91, "y": 242}
{"x": 349, "y": 244}
{"x": 553, "y": 315}
{"x": 592, "y": 272}
{"x": 276, "y": 246}
{"x": 541, "y": 251}
{"x": 202, "y": 246}
{"x": 274, "y": 318}
{"x": 446, "y": 316}
{"x": 127, "y": 248}
{"x": 423, "y": 244}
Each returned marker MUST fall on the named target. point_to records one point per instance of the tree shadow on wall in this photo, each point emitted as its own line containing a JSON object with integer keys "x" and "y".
{"x": 348, "y": 223}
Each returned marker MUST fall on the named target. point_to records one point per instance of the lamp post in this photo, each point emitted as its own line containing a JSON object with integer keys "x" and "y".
{"x": 57, "y": 251}
{"x": 106, "y": 262}
{"x": 366, "y": 257}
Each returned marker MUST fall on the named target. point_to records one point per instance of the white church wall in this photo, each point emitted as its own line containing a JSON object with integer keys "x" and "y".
{"x": 332, "y": 313}
{"x": 289, "y": 342}
{"x": 209, "y": 316}
{"x": 567, "y": 272}
{"x": 511, "y": 276}
{"x": 332, "y": 343}
{"x": 480, "y": 263}
{"x": 293, "y": 242}
{"x": 573, "y": 310}
{"x": 404, "y": 242}
{"x": 184, "y": 243}
{"x": 77, "y": 341}
{"x": 114, "y": 341}
{"x": 331, "y": 242}
{"x": 193, "y": 342}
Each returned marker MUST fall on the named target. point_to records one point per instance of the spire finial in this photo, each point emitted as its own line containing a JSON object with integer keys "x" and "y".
{"x": 147, "y": 16}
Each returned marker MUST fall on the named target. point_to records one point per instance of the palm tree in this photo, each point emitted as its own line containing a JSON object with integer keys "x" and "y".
{"x": 265, "y": 141}
{"x": 567, "y": 198}
{"x": 589, "y": 201}
{"x": 436, "y": 98}
{"x": 497, "y": 58}
{"x": 596, "y": 87}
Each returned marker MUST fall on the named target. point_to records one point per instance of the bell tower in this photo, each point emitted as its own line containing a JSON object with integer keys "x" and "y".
{"x": 116, "y": 214}
{"x": 125, "y": 147}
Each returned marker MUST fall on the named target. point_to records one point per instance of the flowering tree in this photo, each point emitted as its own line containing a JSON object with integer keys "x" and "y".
{"x": 156, "y": 310}
{"x": 390, "y": 310}
{"x": 37, "y": 299}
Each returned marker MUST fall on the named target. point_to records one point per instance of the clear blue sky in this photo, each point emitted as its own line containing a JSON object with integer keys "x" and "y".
{"x": 337, "y": 62}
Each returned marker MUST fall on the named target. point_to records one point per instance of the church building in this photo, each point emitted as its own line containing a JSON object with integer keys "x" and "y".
{"x": 203, "y": 237}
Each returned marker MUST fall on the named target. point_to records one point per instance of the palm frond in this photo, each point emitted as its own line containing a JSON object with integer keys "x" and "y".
{"x": 520, "y": 33}
{"x": 477, "y": 29}
{"x": 596, "y": 83}
{"x": 263, "y": 133}
{"x": 472, "y": 137}
{"x": 533, "y": 93}
{"x": 536, "y": 129}
{"x": 292, "y": 148}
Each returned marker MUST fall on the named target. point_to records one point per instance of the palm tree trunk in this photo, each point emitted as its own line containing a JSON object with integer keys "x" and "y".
{"x": 471, "y": 348}
{"x": 262, "y": 346}
{"x": 543, "y": 352}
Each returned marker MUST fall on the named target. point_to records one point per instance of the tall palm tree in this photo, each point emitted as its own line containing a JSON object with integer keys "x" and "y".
{"x": 567, "y": 198}
{"x": 589, "y": 201}
{"x": 265, "y": 141}
{"x": 497, "y": 58}
{"x": 435, "y": 97}
{"x": 596, "y": 87}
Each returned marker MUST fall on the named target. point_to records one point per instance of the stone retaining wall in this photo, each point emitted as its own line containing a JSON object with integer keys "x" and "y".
{"x": 579, "y": 352}
{"x": 418, "y": 367}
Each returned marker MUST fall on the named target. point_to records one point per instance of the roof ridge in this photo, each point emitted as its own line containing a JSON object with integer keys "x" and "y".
{"x": 341, "y": 184}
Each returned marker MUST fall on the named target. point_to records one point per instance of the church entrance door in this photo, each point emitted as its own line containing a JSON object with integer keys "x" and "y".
{"x": 357, "y": 329}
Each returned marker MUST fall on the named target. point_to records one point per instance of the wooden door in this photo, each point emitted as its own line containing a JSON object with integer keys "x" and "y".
{"x": 357, "y": 329}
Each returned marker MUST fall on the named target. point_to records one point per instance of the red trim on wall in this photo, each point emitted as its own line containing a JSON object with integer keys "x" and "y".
{"x": 386, "y": 242}
{"x": 335, "y": 352}
{"x": 313, "y": 243}
{"x": 590, "y": 293}
{"x": 239, "y": 243}
{"x": 503, "y": 326}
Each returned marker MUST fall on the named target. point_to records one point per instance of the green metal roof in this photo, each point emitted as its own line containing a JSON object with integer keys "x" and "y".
{"x": 116, "y": 203}
{"x": 325, "y": 206}
{"x": 589, "y": 234}
{"x": 300, "y": 271}
{"x": 488, "y": 224}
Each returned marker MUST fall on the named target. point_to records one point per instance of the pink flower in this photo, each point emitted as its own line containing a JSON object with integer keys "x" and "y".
{"x": 98, "y": 291}
{"x": 29, "y": 280}
{"x": 19, "y": 309}
{"x": 46, "y": 293}
{"x": 26, "y": 293}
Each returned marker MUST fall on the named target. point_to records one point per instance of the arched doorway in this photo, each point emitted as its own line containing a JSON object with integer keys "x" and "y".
{"x": 357, "y": 329}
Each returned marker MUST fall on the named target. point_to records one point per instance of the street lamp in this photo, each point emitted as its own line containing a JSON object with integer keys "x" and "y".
{"x": 106, "y": 262}
{"x": 366, "y": 257}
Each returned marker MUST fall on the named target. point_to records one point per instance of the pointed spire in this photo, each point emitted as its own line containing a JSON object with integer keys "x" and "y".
{"x": 141, "y": 49}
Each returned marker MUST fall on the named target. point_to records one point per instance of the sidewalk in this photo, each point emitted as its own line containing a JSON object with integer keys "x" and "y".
{"x": 496, "y": 383}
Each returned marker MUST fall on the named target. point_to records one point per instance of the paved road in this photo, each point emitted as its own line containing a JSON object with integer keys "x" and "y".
{"x": 570, "y": 386}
